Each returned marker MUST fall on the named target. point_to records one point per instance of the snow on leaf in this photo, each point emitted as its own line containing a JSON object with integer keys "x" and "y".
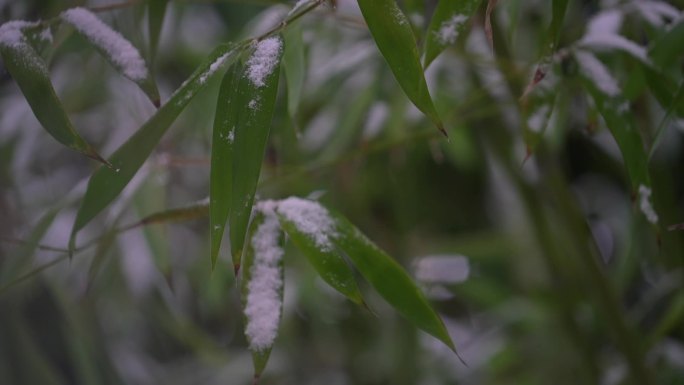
{"x": 11, "y": 34}
{"x": 263, "y": 303}
{"x": 448, "y": 30}
{"x": 122, "y": 53}
{"x": 645, "y": 204}
{"x": 310, "y": 218}
{"x": 264, "y": 60}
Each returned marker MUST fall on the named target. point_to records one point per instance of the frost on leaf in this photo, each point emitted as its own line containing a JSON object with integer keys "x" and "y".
{"x": 264, "y": 60}
{"x": 11, "y": 34}
{"x": 645, "y": 204}
{"x": 218, "y": 63}
{"x": 448, "y": 30}
{"x": 310, "y": 218}
{"x": 264, "y": 302}
{"x": 121, "y": 52}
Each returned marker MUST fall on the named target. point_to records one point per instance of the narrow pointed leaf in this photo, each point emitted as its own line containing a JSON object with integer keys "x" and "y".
{"x": 107, "y": 183}
{"x": 256, "y": 98}
{"x": 221, "y": 175}
{"x": 114, "y": 47}
{"x": 448, "y": 22}
{"x": 394, "y": 37}
{"x": 558, "y": 10}
{"x": 668, "y": 47}
{"x": 262, "y": 287}
{"x": 293, "y": 63}
{"x": 155, "y": 20}
{"x": 390, "y": 280}
{"x": 328, "y": 262}
{"x": 31, "y": 74}
{"x": 180, "y": 214}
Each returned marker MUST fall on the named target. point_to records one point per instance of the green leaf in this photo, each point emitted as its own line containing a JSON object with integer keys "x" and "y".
{"x": 107, "y": 183}
{"x": 669, "y": 46}
{"x": 31, "y": 74}
{"x": 397, "y": 44}
{"x": 390, "y": 280}
{"x": 448, "y": 22}
{"x": 118, "y": 51}
{"x": 262, "y": 285}
{"x": 221, "y": 175}
{"x": 255, "y": 103}
{"x": 329, "y": 263}
{"x": 155, "y": 20}
{"x": 614, "y": 109}
{"x": 558, "y": 10}
{"x": 294, "y": 66}
{"x": 180, "y": 214}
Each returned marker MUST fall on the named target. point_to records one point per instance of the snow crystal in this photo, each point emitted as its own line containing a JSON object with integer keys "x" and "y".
{"x": 448, "y": 31}
{"x": 120, "y": 50}
{"x": 253, "y": 104}
{"x": 442, "y": 269}
{"x": 597, "y": 73}
{"x": 11, "y": 34}
{"x": 263, "y": 304}
{"x": 645, "y": 204}
{"x": 537, "y": 120}
{"x": 218, "y": 63}
{"x": 310, "y": 218}
{"x": 264, "y": 60}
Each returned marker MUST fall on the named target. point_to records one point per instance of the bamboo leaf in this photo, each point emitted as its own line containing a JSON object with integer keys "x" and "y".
{"x": 256, "y": 96}
{"x": 221, "y": 175}
{"x": 115, "y": 48}
{"x": 328, "y": 262}
{"x": 262, "y": 286}
{"x": 155, "y": 20}
{"x": 107, "y": 183}
{"x": 394, "y": 37}
{"x": 294, "y": 66}
{"x": 389, "y": 279}
{"x": 31, "y": 74}
{"x": 448, "y": 22}
{"x": 180, "y": 214}
{"x": 669, "y": 46}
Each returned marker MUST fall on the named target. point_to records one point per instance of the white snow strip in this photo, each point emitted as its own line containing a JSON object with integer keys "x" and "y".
{"x": 264, "y": 60}
{"x": 611, "y": 42}
{"x": 597, "y": 73}
{"x": 537, "y": 121}
{"x": 645, "y": 204}
{"x": 448, "y": 30}
{"x": 656, "y": 13}
{"x": 605, "y": 23}
{"x": 11, "y": 34}
{"x": 263, "y": 304}
{"x": 218, "y": 63}
{"x": 310, "y": 218}
{"x": 442, "y": 269}
{"x": 299, "y": 5}
{"x": 118, "y": 49}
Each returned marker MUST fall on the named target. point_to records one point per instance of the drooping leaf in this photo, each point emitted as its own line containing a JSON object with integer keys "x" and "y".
{"x": 448, "y": 22}
{"x": 155, "y": 20}
{"x": 394, "y": 37}
{"x": 107, "y": 183}
{"x": 262, "y": 286}
{"x": 668, "y": 47}
{"x": 606, "y": 93}
{"x": 255, "y": 103}
{"x": 294, "y": 66}
{"x": 390, "y": 280}
{"x": 328, "y": 262}
{"x": 221, "y": 174}
{"x": 115, "y": 48}
{"x": 31, "y": 74}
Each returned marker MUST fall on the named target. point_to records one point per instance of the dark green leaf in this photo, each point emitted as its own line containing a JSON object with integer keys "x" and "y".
{"x": 118, "y": 51}
{"x": 31, "y": 74}
{"x": 393, "y": 35}
{"x": 107, "y": 183}
{"x": 448, "y": 22}
{"x": 220, "y": 190}
{"x": 390, "y": 280}
{"x": 155, "y": 20}
{"x": 255, "y": 103}
{"x": 668, "y": 47}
